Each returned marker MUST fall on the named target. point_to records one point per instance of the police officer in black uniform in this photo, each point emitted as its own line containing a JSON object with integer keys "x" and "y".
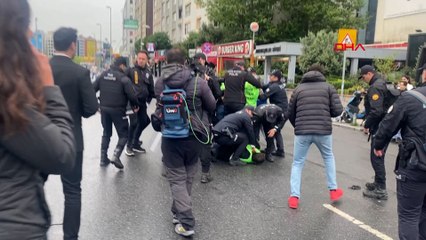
{"x": 277, "y": 95}
{"x": 236, "y": 131}
{"x": 235, "y": 79}
{"x": 116, "y": 91}
{"x": 375, "y": 110}
{"x": 271, "y": 118}
{"x": 408, "y": 114}
{"x": 143, "y": 82}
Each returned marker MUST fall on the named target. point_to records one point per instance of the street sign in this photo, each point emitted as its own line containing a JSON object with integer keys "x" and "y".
{"x": 131, "y": 24}
{"x": 150, "y": 47}
{"x": 347, "y": 36}
{"x": 254, "y": 27}
{"x": 242, "y": 48}
{"x": 207, "y": 47}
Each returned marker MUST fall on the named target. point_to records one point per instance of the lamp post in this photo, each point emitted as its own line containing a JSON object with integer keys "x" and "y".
{"x": 102, "y": 45}
{"x": 254, "y": 27}
{"x": 110, "y": 34}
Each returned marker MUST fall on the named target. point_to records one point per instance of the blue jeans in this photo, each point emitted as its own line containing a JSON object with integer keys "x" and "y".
{"x": 301, "y": 147}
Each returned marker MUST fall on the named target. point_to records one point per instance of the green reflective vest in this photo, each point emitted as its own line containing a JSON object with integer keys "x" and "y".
{"x": 249, "y": 159}
{"x": 252, "y": 94}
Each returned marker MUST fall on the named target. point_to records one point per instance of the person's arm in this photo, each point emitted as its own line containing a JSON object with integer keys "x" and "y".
{"x": 279, "y": 124}
{"x": 207, "y": 98}
{"x": 150, "y": 88}
{"x": 285, "y": 101}
{"x": 251, "y": 79}
{"x": 47, "y": 143}
{"x": 336, "y": 107}
{"x": 248, "y": 125}
{"x": 375, "y": 98}
{"x": 271, "y": 90}
{"x": 291, "y": 112}
{"x": 96, "y": 84}
{"x": 130, "y": 91}
{"x": 391, "y": 124}
{"x": 88, "y": 99}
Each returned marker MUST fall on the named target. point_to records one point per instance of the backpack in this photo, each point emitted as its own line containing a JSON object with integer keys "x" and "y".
{"x": 171, "y": 117}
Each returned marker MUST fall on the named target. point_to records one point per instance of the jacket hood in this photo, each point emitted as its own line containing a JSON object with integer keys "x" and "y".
{"x": 313, "y": 76}
{"x": 175, "y": 75}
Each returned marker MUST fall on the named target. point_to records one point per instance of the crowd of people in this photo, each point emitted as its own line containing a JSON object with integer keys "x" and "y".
{"x": 200, "y": 116}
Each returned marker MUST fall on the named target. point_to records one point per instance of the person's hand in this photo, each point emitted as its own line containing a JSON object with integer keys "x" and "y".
{"x": 271, "y": 133}
{"x": 378, "y": 153}
{"x": 44, "y": 69}
{"x": 253, "y": 148}
{"x": 366, "y": 130}
{"x": 135, "y": 109}
{"x": 206, "y": 77}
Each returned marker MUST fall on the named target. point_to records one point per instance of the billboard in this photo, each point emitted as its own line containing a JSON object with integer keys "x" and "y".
{"x": 90, "y": 48}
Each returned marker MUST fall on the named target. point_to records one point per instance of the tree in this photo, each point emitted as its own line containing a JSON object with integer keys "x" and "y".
{"x": 385, "y": 66}
{"x": 160, "y": 39}
{"x": 319, "y": 48}
{"x": 192, "y": 41}
{"x": 279, "y": 20}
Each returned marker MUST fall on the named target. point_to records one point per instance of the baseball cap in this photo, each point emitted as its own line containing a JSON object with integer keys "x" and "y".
{"x": 200, "y": 55}
{"x": 366, "y": 69}
{"x": 271, "y": 115}
{"x": 120, "y": 60}
{"x": 277, "y": 73}
{"x": 423, "y": 67}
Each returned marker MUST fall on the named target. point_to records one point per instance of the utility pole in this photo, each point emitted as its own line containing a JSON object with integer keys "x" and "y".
{"x": 110, "y": 34}
{"x": 102, "y": 44}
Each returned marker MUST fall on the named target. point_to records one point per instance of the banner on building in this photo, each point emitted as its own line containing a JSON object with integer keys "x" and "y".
{"x": 242, "y": 48}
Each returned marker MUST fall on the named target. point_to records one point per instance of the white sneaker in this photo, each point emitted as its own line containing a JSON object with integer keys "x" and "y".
{"x": 179, "y": 229}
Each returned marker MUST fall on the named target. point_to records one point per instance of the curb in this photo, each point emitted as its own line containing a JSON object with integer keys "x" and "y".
{"x": 348, "y": 126}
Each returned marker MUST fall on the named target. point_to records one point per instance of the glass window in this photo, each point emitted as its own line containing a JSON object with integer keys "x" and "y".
{"x": 188, "y": 10}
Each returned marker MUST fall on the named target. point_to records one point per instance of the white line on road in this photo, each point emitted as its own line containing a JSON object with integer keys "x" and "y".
{"x": 357, "y": 222}
{"x": 155, "y": 143}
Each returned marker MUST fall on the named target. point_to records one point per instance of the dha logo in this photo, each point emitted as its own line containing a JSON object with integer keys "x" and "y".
{"x": 171, "y": 110}
{"x": 347, "y": 40}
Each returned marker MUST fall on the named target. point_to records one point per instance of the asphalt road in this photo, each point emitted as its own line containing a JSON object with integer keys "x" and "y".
{"x": 248, "y": 202}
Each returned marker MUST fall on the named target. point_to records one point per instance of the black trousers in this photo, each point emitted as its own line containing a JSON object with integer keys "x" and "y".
{"x": 411, "y": 197}
{"x": 240, "y": 141}
{"x": 378, "y": 164}
{"x": 142, "y": 121}
{"x": 233, "y": 107}
{"x": 71, "y": 184}
{"x": 206, "y": 158}
{"x": 270, "y": 142}
{"x": 119, "y": 119}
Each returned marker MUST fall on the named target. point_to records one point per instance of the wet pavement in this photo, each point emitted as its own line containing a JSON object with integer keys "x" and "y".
{"x": 248, "y": 202}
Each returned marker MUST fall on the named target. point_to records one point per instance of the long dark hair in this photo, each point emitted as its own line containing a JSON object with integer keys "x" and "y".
{"x": 20, "y": 84}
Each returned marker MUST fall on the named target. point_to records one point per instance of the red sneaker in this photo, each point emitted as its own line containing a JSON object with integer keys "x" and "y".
{"x": 336, "y": 194}
{"x": 293, "y": 202}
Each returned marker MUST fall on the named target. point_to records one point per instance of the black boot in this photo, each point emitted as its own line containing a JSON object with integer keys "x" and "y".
{"x": 116, "y": 160}
{"x": 104, "y": 158}
{"x": 269, "y": 158}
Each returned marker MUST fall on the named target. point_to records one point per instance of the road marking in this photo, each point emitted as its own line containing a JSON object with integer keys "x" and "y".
{"x": 155, "y": 143}
{"x": 357, "y": 222}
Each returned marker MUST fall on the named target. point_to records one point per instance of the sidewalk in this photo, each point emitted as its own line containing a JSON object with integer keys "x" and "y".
{"x": 349, "y": 125}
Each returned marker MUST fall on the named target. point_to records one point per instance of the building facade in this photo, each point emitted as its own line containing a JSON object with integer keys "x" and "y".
{"x": 129, "y": 35}
{"x": 49, "y": 48}
{"x": 178, "y": 18}
{"x": 144, "y": 13}
{"x": 396, "y": 19}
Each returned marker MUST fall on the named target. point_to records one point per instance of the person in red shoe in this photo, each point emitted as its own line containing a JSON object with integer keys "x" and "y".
{"x": 313, "y": 103}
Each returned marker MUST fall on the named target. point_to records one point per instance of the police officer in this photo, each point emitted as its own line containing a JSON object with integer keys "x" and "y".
{"x": 201, "y": 71}
{"x": 275, "y": 92}
{"x": 375, "y": 110}
{"x": 408, "y": 114}
{"x": 271, "y": 118}
{"x": 234, "y": 98}
{"x": 115, "y": 92}
{"x": 143, "y": 82}
{"x": 236, "y": 131}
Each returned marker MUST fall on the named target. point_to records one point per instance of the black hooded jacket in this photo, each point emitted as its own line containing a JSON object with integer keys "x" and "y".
{"x": 235, "y": 81}
{"x": 313, "y": 103}
{"x": 199, "y": 97}
{"x": 143, "y": 82}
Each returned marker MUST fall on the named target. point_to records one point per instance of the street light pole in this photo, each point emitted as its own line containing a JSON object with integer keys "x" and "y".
{"x": 110, "y": 34}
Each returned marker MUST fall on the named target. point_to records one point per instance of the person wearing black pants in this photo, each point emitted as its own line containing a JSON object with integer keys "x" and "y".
{"x": 143, "y": 83}
{"x": 116, "y": 91}
{"x": 236, "y": 130}
{"x": 76, "y": 87}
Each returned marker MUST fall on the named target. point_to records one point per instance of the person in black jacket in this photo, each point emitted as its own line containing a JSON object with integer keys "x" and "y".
{"x": 74, "y": 81}
{"x": 408, "y": 115}
{"x": 375, "y": 110}
{"x": 116, "y": 90}
{"x": 236, "y": 131}
{"x": 312, "y": 105}
{"x": 277, "y": 95}
{"x": 235, "y": 79}
{"x": 35, "y": 129}
{"x": 271, "y": 118}
{"x": 143, "y": 82}
{"x": 180, "y": 155}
